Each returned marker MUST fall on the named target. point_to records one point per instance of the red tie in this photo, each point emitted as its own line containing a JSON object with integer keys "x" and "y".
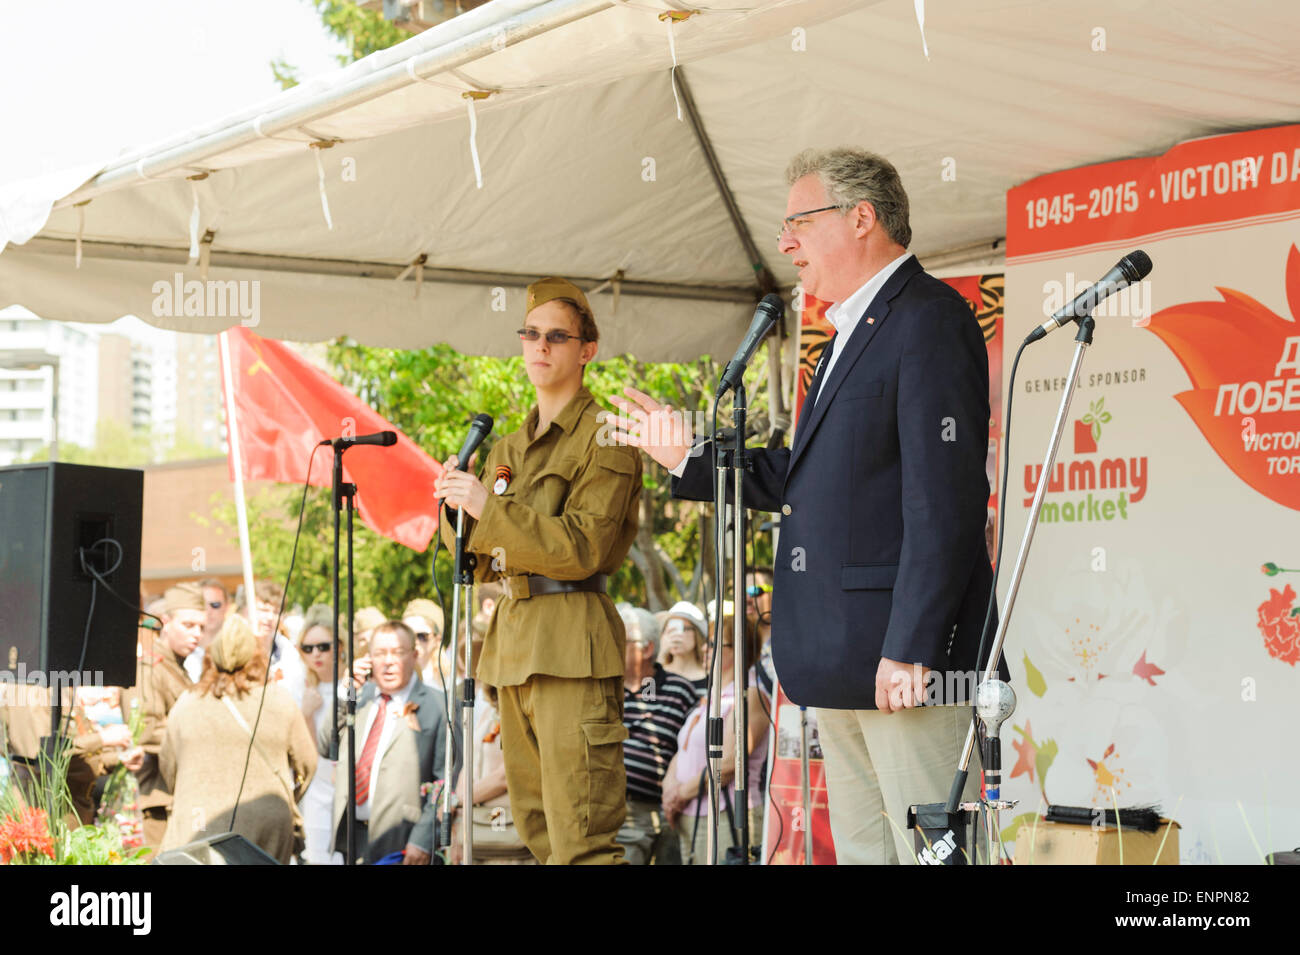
{"x": 368, "y": 751}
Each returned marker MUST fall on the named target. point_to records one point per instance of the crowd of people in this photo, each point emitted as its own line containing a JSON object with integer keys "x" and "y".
{"x": 228, "y": 729}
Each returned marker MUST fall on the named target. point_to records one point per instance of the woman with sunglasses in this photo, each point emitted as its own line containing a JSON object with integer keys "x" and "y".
{"x": 319, "y": 649}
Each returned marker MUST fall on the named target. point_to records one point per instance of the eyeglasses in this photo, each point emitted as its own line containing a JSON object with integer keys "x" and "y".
{"x": 310, "y": 648}
{"x": 387, "y": 654}
{"x": 553, "y": 337}
{"x": 788, "y": 223}
{"x": 754, "y": 591}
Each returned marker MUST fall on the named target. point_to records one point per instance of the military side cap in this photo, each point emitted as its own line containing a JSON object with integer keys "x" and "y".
{"x": 367, "y": 618}
{"x": 426, "y": 609}
{"x": 186, "y": 596}
{"x": 549, "y": 289}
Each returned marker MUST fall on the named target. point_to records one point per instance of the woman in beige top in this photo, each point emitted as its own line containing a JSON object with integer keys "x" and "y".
{"x": 207, "y": 744}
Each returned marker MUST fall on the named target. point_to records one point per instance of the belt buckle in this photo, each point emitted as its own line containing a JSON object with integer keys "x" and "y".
{"x": 516, "y": 588}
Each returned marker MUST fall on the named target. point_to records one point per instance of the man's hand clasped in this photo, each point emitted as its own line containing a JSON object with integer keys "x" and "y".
{"x": 900, "y": 686}
{"x": 461, "y": 488}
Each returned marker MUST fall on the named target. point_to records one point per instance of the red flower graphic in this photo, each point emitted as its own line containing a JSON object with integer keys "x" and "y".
{"x": 1280, "y": 628}
{"x": 1146, "y": 670}
{"x": 1236, "y": 342}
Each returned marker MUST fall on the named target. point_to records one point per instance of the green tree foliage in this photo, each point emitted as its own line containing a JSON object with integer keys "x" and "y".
{"x": 285, "y": 73}
{"x": 364, "y": 31}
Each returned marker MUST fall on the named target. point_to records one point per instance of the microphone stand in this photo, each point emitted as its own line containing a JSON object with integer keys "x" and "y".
{"x": 736, "y": 460}
{"x": 344, "y": 495}
{"x": 462, "y": 580}
{"x": 1082, "y": 340}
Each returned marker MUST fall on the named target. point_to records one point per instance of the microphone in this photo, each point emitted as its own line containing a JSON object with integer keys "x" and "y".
{"x": 383, "y": 439}
{"x": 1132, "y": 268}
{"x": 479, "y": 429}
{"x": 768, "y": 312}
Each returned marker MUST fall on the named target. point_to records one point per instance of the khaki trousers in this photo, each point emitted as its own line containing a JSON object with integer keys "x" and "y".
{"x": 562, "y": 743}
{"x": 877, "y": 764}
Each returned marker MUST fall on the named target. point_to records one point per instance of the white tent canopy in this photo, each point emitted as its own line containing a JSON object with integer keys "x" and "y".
{"x": 588, "y": 172}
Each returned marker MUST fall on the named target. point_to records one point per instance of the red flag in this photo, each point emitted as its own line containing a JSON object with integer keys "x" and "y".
{"x": 284, "y": 406}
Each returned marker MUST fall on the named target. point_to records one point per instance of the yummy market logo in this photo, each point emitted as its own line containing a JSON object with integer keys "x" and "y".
{"x": 1089, "y": 489}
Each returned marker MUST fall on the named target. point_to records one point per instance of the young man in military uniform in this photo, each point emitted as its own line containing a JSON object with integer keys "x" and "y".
{"x": 559, "y": 518}
{"x": 159, "y": 682}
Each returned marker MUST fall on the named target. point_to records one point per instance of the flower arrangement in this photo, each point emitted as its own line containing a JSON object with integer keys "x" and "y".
{"x": 119, "y": 806}
{"x": 25, "y": 835}
{"x": 38, "y": 827}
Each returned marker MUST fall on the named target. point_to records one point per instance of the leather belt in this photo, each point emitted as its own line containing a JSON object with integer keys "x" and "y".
{"x": 534, "y": 585}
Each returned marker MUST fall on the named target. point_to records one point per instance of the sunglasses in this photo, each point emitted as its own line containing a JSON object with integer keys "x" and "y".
{"x": 422, "y": 637}
{"x": 554, "y": 337}
{"x": 757, "y": 591}
{"x": 310, "y": 648}
{"x": 215, "y": 604}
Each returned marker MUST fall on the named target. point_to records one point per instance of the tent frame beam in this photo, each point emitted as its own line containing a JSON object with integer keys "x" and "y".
{"x": 762, "y": 274}
{"x": 162, "y": 255}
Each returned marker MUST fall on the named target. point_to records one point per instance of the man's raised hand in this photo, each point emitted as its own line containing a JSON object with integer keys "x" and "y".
{"x": 656, "y": 429}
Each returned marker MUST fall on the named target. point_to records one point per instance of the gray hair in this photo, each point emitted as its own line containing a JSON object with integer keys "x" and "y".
{"x": 640, "y": 625}
{"x": 850, "y": 176}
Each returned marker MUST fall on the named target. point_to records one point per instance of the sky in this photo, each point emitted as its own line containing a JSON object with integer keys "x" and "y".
{"x": 82, "y": 80}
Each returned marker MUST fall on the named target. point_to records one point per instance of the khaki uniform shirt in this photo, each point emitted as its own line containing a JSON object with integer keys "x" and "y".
{"x": 160, "y": 679}
{"x": 569, "y": 511}
{"x": 25, "y": 720}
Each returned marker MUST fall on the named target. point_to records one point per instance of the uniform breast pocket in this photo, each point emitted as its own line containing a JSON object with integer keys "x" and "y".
{"x": 550, "y": 489}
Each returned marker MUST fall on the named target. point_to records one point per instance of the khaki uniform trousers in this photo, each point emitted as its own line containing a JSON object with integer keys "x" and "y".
{"x": 562, "y": 744}
{"x": 877, "y": 764}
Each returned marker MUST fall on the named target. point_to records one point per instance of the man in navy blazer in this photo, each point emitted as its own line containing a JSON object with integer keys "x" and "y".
{"x": 882, "y": 575}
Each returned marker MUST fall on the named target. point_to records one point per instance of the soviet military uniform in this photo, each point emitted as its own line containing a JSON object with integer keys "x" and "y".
{"x": 561, "y": 505}
{"x": 160, "y": 680}
{"x": 25, "y": 721}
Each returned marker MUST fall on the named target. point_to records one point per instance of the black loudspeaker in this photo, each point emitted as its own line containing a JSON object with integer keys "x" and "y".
{"x": 228, "y": 848}
{"x": 48, "y": 513}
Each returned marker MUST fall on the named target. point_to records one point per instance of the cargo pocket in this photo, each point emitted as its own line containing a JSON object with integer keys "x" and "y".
{"x": 606, "y": 778}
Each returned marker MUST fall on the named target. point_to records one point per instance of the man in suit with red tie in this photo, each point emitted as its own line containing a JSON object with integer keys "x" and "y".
{"x": 401, "y": 729}
{"x": 882, "y": 576}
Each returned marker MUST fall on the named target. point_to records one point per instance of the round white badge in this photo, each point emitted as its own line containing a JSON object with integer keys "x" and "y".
{"x": 500, "y": 486}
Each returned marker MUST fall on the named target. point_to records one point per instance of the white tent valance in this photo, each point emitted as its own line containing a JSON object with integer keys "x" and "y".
{"x": 588, "y": 172}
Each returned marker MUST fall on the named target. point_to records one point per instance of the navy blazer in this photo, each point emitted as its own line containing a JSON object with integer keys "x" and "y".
{"x": 885, "y": 500}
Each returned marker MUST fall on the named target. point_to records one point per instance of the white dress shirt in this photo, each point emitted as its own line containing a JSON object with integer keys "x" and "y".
{"x": 394, "y": 712}
{"x": 289, "y": 667}
{"x": 193, "y": 664}
{"x": 844, "y": 317}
